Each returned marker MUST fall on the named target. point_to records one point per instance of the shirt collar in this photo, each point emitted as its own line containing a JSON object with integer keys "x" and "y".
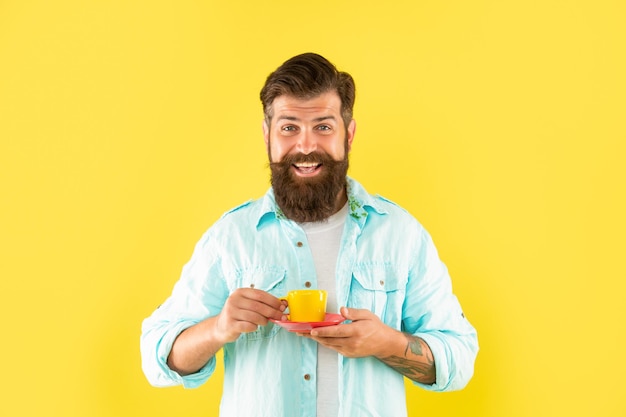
{"x": 360, "y": 205}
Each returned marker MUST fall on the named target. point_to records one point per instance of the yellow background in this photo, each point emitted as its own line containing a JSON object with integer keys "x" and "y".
{"x": 128, "y": 127}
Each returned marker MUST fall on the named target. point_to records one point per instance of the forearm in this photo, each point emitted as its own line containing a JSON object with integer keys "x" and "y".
{"x": 410, "y": 356}
{"x": 194, "y": 347}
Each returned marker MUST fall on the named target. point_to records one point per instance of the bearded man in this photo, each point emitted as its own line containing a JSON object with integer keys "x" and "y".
{"x": 315, "y": 228}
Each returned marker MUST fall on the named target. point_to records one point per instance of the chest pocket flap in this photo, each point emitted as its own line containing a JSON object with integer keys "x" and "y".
{"x": 379, "y": 288}
{"x": 266, "y": 278}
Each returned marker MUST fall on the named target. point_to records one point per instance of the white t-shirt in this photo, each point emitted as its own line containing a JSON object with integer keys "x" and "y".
{"x": 324, "y": 240}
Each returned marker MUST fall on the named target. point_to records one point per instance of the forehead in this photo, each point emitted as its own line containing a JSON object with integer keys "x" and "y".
{"x": 327, "y": 103}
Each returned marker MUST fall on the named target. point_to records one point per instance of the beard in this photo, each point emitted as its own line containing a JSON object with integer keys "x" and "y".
{"x": 309, "y": 199}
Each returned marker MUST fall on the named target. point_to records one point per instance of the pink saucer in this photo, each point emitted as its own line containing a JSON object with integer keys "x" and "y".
{"x": 307, "y": 326}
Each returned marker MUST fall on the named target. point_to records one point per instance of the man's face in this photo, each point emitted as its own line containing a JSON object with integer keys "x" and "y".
{"x": 307, "y": 144}
{"x": 304, "y": 126}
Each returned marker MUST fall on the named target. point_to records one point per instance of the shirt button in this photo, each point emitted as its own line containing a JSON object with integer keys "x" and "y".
{"x": 307, "y": 377}
{"x": 382, "y": 282}
{"x": 299, "y": 244}
{"x": 251, "y": 285}
{"x": 307, "y": 284}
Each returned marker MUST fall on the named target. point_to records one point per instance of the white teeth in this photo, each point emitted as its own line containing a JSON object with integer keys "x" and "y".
{"x": 306, "y": 164}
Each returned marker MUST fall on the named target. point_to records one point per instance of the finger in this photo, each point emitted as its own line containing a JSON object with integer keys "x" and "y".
{"x": 251, "y": 316}
{"x": 259, "y": 302}
{"x": 342, "y": 330}
{"x": 248, "y": 311}
{"x": 339, "y": 344}
{"x": 355, "y": 313}
{"x": 264, "y": 297}
{"x": 245, "y": 327}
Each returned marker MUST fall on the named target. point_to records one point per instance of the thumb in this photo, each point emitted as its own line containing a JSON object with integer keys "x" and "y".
{"x": 354, "y": 313}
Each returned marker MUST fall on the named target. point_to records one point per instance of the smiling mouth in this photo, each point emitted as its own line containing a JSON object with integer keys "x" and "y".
{"x": 306, "y": 168}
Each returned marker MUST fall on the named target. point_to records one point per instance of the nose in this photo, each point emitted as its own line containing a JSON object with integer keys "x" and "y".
{"x": 306, "y": 143}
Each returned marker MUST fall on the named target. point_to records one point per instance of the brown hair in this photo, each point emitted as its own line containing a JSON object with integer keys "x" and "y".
{"x": 306, "y": 76}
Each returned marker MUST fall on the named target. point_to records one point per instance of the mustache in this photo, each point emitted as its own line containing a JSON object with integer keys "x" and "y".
{"x": 297, "y": 158}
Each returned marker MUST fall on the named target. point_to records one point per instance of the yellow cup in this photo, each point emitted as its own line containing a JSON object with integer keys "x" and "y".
{"x": 306, "y": 305}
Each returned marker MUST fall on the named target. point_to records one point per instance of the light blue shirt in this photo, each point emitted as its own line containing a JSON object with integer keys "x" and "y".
{"x": 387, "y": 264}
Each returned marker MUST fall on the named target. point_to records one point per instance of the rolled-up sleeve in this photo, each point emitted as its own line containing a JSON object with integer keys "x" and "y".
{"x": 199, "y": 294}
{"x": 156, "y": 343}
{"x": 433, "y": 313}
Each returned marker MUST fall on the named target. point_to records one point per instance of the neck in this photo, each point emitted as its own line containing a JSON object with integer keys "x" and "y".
{"x": 342, "y": 198}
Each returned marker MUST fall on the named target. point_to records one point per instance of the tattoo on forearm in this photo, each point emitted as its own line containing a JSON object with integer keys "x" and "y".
{"x": 415, "y": 345}
{"x": 418, "y": 365}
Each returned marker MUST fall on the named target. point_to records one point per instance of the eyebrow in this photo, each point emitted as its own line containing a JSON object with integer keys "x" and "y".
{"x": 317, "y": 119}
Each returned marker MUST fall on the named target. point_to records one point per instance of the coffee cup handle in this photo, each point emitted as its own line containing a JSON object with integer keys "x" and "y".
{"x": 286, "y": 312}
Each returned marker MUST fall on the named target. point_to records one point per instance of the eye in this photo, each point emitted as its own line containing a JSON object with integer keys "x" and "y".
{"x": 289, "y": 129}
{"x": 324, "y": 128}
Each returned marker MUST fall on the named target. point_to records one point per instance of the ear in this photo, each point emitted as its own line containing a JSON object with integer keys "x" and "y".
{"x": 350, "y": 132}
{"x": 266, "y": 132}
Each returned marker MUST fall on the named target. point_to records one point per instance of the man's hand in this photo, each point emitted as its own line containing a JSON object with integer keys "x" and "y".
{"x": 368, "y": 336}
{"x": 245, "y": 310}
{"x": 365, "y": 336}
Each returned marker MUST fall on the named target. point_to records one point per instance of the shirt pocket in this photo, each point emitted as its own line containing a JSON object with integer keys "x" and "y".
{"x": 380, "y": 289}
{"x": 267, "y": 278}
